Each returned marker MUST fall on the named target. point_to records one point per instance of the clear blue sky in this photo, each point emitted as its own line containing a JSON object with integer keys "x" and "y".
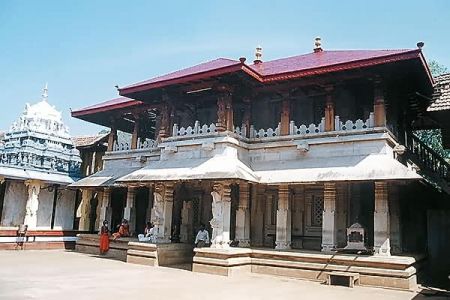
{"x": 84, "y": 48}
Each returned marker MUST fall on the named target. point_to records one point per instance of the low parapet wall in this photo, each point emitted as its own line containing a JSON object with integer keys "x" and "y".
{"x": 393, "y": 272}
{"x": 38, "y": 239}
{"x": 159, "y": 254}
{"x": 89, "y": 243}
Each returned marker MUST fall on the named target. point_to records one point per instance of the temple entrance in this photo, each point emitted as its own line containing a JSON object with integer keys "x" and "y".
{"x": 141, "y": 207}
{"x": 118, "y": 202}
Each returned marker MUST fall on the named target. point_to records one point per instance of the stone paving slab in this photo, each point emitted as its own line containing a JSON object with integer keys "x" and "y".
{"x": 56, "y": 274}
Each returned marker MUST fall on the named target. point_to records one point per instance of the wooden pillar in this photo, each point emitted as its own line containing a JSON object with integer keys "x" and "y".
{"x": 164, "y": 129}
{"x": 162, "y": 211}
{"x": 135, "y": 135}
{"x": 243, "y": 216}
{"x": 285, "y": 116}
{"x": 381, "y": 236}
{"x": 329, "y": 110}
{"x": 112, "y": 137}
{"x": 221, "y": 211}
{"x": 105, "y": 209}
{"x": 379, "y": 108}
{"x": 329, "y": 230}
{"x": 129, "y": 212}
{"x": 224, "y": 112}
{"x": 246, "y": 120}
{"x": 284, "y": 225}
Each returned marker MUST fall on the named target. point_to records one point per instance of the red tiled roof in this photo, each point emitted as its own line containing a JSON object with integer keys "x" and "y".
{"x": 441, "y": 95}
{"x": 88, "y": 140}
{"x": 116, "y": 103}
{"x": 213, "y": 65}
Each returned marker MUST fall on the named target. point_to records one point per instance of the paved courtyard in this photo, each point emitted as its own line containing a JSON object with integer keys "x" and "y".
{"x": 68, "y": 275}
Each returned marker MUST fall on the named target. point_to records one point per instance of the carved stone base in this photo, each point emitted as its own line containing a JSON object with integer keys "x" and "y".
{"x": 282, "y": 245}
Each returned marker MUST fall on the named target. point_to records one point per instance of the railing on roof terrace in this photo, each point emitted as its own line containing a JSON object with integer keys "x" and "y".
{"x": 262, "y": 133}
{"x": 141, "y": 144}
{"x": 303, "y": 129}
{"x": 357, "y": 125}
{"x": 195, "y": 130}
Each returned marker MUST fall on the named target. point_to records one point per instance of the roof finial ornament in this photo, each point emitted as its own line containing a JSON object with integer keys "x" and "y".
{"x": 420, "y": 45}
{"x": 318, "y": 44}
{"x": 45, "y": 93}
{"x": 258, "y": 55}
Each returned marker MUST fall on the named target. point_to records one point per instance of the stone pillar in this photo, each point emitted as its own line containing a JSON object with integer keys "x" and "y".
{"x": 148, "y": 214}
{"x": 379, "y": 109}
{"x": 221, "y": 211}
{"x": 329, "y": 230}
{"x": 285, "y": 116}
{"x": 381, "y": 235}
{"x": 105, "y": 209}
{"x": 187, "y": 218}
{"x": 394, "y": 221}
{"x": 135, "y": 135}
{"x": 85, "y": 210}
{"x": 329, "y": 110}
{"x": 129, "y": 211}
{"x": 243, "y": 216}
{"x": 341, "y": 214}
{"x": 257, "y": 220}
{"x": 162, "y": 211}
{"x": 32, "y": 205}
{"x": 284, "y": 224}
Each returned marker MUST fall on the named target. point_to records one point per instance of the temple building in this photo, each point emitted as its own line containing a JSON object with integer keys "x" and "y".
{"x": 301, "y": 166}
{"x": 37, "y": 162}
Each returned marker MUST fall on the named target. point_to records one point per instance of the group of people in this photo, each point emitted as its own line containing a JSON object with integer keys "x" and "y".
{"x": 201, "y": 239}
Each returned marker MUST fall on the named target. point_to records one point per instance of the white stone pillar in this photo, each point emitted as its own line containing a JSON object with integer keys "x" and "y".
{"x": 394, "y": 212}
{"x": 381, "y": 235}
{"x": 243, "y": 216}
{"x": 105, "y": 209}
{"x": 284, "y": 224}
{"x": 187, "y": 218}
{"x": 85, "y": 210}
{"x": 162, "y": 211}
{"x": 221, "y": 211}
{"x": 32, "y": 205}
{"x": 329, "y": 232}
{"x": 129, "y": 211}
{"x": 257, "y": 220}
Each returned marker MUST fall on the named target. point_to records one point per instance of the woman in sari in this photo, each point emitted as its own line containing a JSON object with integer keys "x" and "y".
{"x": 124, "y": 230}
{"x": 104, "y": 238}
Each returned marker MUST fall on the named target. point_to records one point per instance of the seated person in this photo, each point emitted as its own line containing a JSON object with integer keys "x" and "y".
{"x": 124, "y": 230}
{"x": 202, "y": 238}
{"x": 149, "y": 233}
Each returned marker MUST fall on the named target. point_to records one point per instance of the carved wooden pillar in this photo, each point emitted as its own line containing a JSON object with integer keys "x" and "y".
{"x": 224, "y": 112}
{"x": 381, "y": 236}
{"x": 221, "y": 211}
{"x": 246, "y": 119}
{"x": 243, "y": 216}
{"x": 162, "y": 211}
{"x": 129, "y": 211}
{"x": 32, "y": 205}
{"x": 329, "y": 230}
{"x": 379, "y": 109}
{"x": 329, "y": 110}
{"x": 285, "y": 116}
{"x": 284, "y": 224}
{"x": 164, "y": 129}
{"x": 105, "y": 209}
{"x": 112, "y": 138}
{"x": 135, "y": 135}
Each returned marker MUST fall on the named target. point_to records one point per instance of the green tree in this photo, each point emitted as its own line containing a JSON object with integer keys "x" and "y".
{"x": 433, "y": 137}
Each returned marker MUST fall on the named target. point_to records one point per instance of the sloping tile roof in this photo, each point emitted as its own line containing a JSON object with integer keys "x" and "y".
{"x": 215, "y": 64}
{"x": 319, "y": 60}
{"x": 441, "y": 95}
{"x": 116, "y": 103}
{"x": 87, "y": 140}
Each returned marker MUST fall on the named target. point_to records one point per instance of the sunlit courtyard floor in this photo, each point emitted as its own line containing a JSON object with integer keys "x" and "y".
{"x": 67, "y": 275}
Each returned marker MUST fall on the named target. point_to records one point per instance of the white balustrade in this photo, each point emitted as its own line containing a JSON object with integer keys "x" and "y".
{"x": 241, "y": 131}
{"x": 123, "y": 146}
{"x": 264, "y": 133}
{"x": 303, "y": 129}
{"x": 194, "y": 130}
{"x": 356, "y": 125}
{"x": 146, "y": 144}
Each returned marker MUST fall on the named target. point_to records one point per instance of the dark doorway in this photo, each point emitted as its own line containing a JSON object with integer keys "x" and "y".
{"x": 118, "y": 201}
{"x": 438, "y": 246}
{"x": 141, "y": 207}
{"x": 93, "y": 212}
